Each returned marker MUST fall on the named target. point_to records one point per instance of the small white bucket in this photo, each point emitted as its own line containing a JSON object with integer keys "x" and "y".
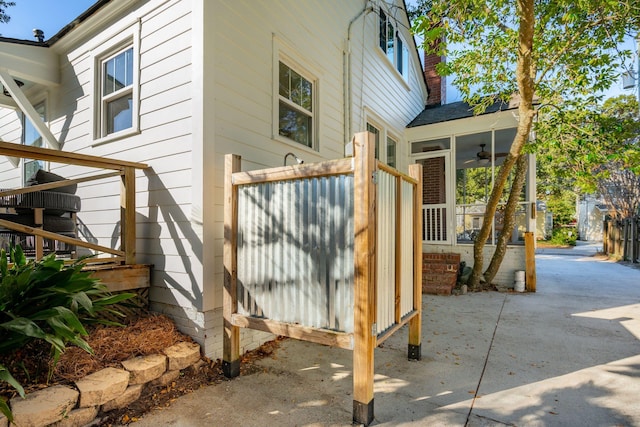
{"x": 518, "y": 286}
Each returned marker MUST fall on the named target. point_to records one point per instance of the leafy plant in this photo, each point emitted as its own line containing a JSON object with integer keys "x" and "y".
{"x": 564, "y": 236}
{"x": 49, "y": 301}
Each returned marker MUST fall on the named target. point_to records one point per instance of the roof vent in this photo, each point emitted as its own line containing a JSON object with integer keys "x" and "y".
{"x": 39, "y": 34}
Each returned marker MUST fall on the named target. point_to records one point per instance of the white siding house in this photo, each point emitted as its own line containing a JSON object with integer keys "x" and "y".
{"x": 177, "y": 84}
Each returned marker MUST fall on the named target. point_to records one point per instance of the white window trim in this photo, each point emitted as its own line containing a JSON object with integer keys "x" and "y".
{"x": 283, "y": 52}
{"x": 386, "y": 131}
{"x": 129, "y": 37}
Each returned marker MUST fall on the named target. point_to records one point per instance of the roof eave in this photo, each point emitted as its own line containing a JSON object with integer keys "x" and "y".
{"x": 33, "y": 63}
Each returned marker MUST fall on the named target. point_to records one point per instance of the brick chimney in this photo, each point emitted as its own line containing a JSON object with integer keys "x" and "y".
{"x": 436, "y": 84}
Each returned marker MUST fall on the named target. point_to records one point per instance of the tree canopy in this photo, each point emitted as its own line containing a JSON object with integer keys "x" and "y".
{"x": 594, "y": 149}
{"x": 544, "y": 53}
{"x": 4, "y": 18}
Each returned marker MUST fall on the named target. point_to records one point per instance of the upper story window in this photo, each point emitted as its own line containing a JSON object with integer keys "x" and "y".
{"x": 31, "y": 137}
{"x": 117, "y": 92}
{"x": 393, "y": 45}
{"x": 296, "y": 113}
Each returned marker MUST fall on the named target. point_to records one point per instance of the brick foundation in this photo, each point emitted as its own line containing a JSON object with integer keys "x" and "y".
{"x": 439, "y": 273}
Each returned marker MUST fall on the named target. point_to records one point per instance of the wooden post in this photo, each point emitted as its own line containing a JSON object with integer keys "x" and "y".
{"x": 128, "y": 214}
{"x": 364, "y": 278}
{"x": 530, "y": 261}
{"x": 635, "y": 244}
{"x": 415, "y": 324}
{"x": 231, "y": 337}
{"x": 605, "y": 237}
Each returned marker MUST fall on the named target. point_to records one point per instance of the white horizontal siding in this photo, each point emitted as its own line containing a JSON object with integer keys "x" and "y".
{"x": 232, "y": 113}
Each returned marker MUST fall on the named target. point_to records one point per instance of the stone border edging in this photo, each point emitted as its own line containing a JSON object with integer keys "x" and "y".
{"x": 102, "y": 391}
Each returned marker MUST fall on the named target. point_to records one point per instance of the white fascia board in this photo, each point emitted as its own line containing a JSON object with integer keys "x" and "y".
{"x": 484, "y": 122}
{"x": 37, "y": 64}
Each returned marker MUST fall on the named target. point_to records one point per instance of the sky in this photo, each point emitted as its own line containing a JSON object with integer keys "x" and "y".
{"x": 52, "y": 15}
{"x": 49, "y": 16}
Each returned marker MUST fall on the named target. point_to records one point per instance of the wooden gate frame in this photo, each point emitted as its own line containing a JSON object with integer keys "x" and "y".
{"x": 365, "y": 336}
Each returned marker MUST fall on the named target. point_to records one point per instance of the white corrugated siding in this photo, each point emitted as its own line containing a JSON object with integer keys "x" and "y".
{"x": 295, "y": 252}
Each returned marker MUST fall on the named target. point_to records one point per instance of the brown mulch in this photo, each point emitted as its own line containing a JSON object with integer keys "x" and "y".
{"x": 33, "y": 368}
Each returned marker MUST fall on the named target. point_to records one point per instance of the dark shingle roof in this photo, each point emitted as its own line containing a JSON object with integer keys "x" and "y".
{"x": 454, "y": 111}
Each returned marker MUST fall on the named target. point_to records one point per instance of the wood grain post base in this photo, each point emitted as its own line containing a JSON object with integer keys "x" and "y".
{"x": 415, "y": 352}
{"x": 231, "y": 369}
{"x": 362, "y": 412}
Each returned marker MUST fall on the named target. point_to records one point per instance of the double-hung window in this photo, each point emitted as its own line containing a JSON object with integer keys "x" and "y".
{"x": 393, "y": 45}
{"x": 296, "y": 95}
{"x": 117, "y": 92}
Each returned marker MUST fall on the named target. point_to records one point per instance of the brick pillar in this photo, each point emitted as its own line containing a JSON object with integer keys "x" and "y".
{"x": 439, "y": 273}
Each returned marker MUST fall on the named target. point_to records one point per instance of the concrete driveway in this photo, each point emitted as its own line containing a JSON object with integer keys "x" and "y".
{"x": 568, "y": 355}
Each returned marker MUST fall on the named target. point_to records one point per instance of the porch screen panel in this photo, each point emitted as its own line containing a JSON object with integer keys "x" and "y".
{"x": 295, "y": 251}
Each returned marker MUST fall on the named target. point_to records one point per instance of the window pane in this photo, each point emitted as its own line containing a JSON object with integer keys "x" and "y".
{"x": 31, "y": 136}
{"x": 120, "y": 114}
{"x": 400, "y": 60}
{"x": 295, "y": 88}
{"x": 391, "y": 152}
{"x": 374, "y": 130}
{"x": 390, "y": 38}
{"x": 295, "y": 125}
{"x": 285, "y": 81}
{"x": 118, "y": 72}
{"x": 405, "y": 62}
{"x": 473, "y": 185}
{"x": 432, "y": 145}
{"x": 382, "y": 32}
{"x": 31, "y": 167}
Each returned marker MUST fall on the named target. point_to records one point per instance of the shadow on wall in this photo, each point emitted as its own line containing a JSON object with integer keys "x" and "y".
{"x": 151, "y": 244}
{"x": 164, "y": 209}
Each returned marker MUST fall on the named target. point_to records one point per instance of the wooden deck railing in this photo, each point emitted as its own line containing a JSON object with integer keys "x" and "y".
{"x": 126, "y": 170}
{"x": 329, "y": 252}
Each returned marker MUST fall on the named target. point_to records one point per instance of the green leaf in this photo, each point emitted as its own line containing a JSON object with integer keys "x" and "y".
{"x": 5, "y": 376}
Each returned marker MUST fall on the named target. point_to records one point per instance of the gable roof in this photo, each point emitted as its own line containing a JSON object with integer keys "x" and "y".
{"x": 455, "y": 111}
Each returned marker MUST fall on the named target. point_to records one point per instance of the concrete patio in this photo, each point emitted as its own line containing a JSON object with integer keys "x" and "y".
{"x": 568, "y": 355}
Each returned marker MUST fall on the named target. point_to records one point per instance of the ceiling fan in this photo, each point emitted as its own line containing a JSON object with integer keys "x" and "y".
{"x": 484, "y": 156}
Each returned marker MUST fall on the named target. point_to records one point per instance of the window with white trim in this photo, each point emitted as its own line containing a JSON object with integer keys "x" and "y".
{"x": 296, "y": 105}
{"x": 392, "y": 44}
{"x": 116, "y": 95}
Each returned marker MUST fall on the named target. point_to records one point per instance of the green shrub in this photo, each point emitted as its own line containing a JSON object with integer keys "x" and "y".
{"x": 50, "y": 301}
{"x": 564, "y": 236}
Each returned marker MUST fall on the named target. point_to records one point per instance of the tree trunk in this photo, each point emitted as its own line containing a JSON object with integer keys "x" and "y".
{"x": 509, "y": 219}
{"x": 525, "y": 74}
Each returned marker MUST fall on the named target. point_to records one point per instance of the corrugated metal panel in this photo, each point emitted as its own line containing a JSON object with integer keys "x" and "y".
{"x": 295, "y": 251}
{"x": 407, "y": 233}
{"x": 386, "y": 246}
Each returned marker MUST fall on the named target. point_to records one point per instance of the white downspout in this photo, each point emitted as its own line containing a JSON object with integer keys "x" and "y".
{"x": 346, "y": 78}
